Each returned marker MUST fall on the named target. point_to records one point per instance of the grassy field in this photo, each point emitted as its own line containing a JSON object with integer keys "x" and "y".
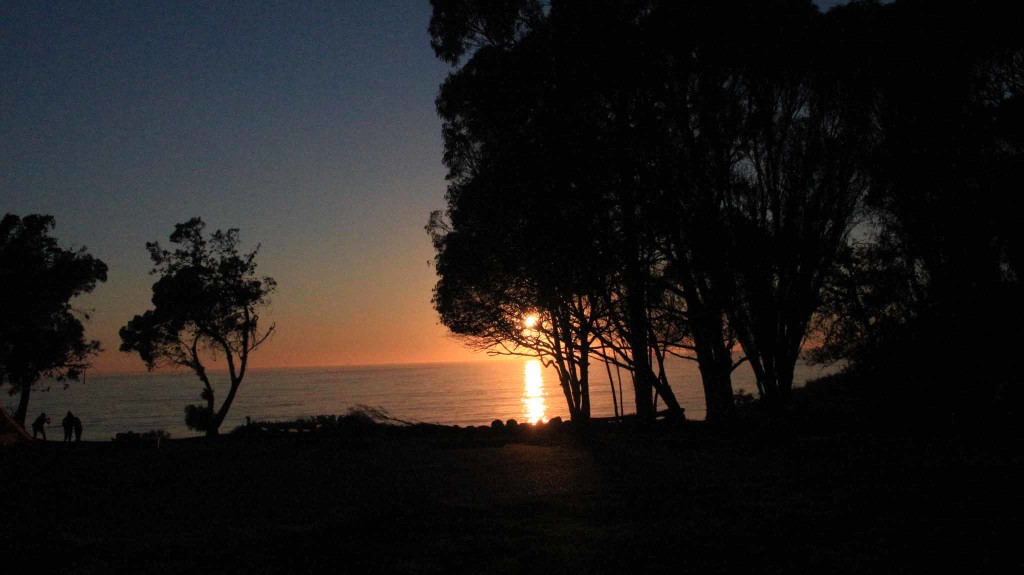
{"x": 441, "y": 501}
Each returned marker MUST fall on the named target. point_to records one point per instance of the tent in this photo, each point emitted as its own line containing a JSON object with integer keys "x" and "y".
{"x": 10, "y": 431}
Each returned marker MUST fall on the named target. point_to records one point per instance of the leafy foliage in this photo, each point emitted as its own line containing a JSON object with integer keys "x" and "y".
{"x": 939, "y": 273}
{"x": 206, "y": 303}
{"x": 41, "y": 334}
{"x": 687, "y": 185}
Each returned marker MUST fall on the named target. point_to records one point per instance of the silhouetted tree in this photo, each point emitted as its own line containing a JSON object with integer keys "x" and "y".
{"x": 40, "y": 333}
{"x": 720, "y": 149}
{"x": 759, "y": 161}
{"x": 695, "y": 54}
{"x": 942, "y": 277}
{"x": 537, "y": 193}
{"x": 206, "y": 303}
{"x": 514, "y": 241}
{"x": 515, "y": 315}
{"x": 799, "y": 183}
{"x": 482, "y": 298}
{"x": 611, "y": 82}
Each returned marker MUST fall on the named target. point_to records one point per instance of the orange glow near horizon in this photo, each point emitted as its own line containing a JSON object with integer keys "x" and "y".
{"x": 534, "y": 407}
{"x": 318, "y": 345}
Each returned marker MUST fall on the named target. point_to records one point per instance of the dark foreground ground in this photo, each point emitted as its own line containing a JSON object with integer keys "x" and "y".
{"x": 443, "y": 501}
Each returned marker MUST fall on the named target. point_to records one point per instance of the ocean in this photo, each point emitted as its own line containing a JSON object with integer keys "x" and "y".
{"x": 473, "y": 393}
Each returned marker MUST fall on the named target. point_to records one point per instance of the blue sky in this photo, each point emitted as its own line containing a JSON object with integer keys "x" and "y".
{"x": 310, "y": 126}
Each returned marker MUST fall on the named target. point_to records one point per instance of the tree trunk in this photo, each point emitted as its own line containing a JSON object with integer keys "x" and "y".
{"x": 664, "y": 390}
{"x": 212, "y": 424}
{"x": 585, "y": 397}
{"x": 213, "y": 428}
{"x": 643, "y": 385}
{"x": 611, "y": 383}
{"x": 714, "y": 358}
{"x": 584, "y": 378}
{"x": 785, "y": 370}
{"x": 223, "y": 412}
{"x": 715, "y": 364}
{"x": 24, "y": 392}
{"x": 718, "y": 396}
{"x": 636, "y": 309}
{"x": 563, "y": 381}
{"x": 643, "y": 375}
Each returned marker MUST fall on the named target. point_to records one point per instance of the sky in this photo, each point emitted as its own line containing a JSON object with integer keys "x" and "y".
{"x": 310, "y": 126}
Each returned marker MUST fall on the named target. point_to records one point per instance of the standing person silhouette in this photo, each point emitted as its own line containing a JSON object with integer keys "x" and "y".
{"x": 68, "y": 422}
{"x": 78, "y": 429}
{"x": 39, "y": 426}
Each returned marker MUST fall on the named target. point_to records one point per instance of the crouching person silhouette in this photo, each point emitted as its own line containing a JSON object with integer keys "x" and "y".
{"x": 39, "y": 426}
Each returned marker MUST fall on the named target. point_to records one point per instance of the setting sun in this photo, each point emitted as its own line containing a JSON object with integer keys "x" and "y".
{"x": 530, "y": 321}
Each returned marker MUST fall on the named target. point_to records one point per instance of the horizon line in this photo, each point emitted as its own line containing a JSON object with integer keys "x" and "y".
{"x": 224, "y": 369}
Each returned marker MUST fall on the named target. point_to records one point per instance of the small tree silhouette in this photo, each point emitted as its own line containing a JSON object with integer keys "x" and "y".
{"x": 205, "y": 304}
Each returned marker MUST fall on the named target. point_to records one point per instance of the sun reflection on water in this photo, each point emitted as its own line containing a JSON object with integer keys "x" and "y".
{"x": 534, "y": 407}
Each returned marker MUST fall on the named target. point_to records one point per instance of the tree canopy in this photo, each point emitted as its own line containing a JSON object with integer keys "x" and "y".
{"x": 206, "y": 305}
{"x": 690, "y": 183}
{"x": 41, "y": 334}
{"x": 938, "y": 273}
